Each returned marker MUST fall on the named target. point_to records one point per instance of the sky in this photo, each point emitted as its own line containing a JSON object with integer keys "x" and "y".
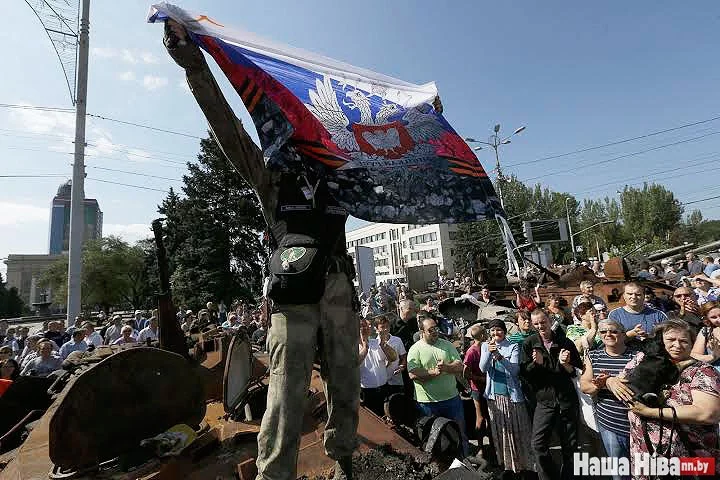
{"x": 576, "y": 74}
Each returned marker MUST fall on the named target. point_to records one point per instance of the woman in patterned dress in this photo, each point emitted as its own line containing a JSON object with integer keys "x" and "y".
{"x": 695, "y": 397}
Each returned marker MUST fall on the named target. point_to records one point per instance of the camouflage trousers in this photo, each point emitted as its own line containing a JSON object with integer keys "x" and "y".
{"x": 330, "y": 328}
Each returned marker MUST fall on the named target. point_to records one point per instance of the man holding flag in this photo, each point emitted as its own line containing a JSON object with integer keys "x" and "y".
{"x": 294, "y": 329}
{"x": 336, "y": 139}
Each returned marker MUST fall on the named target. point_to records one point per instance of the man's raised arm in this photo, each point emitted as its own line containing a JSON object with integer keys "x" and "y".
{"x": 227, "y": 129}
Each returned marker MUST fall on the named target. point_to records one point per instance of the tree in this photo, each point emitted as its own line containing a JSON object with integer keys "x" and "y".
{"x": 55, "y": 278}
{"x": 112, "y": 274}
{"x": 11, "y": 305}
{"x": 650, "y": 213}
{"x": 649, "y": 216}
{"x": 707, "y": 231}
{"x": 213, "y": 233}
{"x": 522, "y": 203}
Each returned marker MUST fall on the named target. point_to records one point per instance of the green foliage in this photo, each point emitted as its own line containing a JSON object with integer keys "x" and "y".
{"x": 650, "y": 215}
{"x": 522, "y": 203}
{"x": 708, "y": 231}
{"x": 213, "y": 233}
{"x": 11, "y": 305}
{"x": 112, "y": 274}
{"x": 212, "y": 240}
{"x": 55, "y": 278}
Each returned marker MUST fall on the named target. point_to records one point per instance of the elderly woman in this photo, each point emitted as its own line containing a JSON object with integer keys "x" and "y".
{"x": 694, "y": 399}
{"x": 126, "y": 336}
{"x": 509, "y": 420}
{"x": 707, "y": 343}
{"x": 602, "y": 365}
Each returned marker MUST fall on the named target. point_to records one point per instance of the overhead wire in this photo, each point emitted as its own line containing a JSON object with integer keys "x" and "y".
{"x": 134, "y": 173}
{"x": 701, "y": 200}
{"x": 30, "y": 135}
{"x": 633, "y": 154}
{"x": 617, "y": 142}
{"x": 126, "y": 184}
{"x": 141, "y": 125}
{"x": 651, "y": 177}
{"x": 44, "y": 175}
{"x": 17, "y": 106}
{"x": 101, "y": 117}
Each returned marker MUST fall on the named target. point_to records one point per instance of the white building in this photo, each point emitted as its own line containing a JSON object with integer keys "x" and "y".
{"x": 398, "y": 246}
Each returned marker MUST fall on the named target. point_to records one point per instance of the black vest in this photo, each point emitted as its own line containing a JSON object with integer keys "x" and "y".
{"x": 306, "y": 207}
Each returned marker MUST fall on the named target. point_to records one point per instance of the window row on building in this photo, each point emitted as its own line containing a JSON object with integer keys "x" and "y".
{"x": 428, "y": 237}
{"x": 433, "y": 253}
{"x": 368, "y": 239}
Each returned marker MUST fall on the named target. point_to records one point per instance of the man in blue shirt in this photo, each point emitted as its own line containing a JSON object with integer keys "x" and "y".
{"x": 637, "y": 318}
{"x": 709, "y": 266}
{"x": 76, "y": 344}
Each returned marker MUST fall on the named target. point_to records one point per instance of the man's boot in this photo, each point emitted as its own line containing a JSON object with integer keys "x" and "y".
{"x": 343, "y": 469}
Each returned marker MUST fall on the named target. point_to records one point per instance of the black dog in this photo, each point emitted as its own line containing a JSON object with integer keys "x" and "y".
{"x": 653, "y": 373}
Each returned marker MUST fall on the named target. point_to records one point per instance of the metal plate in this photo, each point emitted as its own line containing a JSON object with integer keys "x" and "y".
{"x": 238, "y": 372}
{"x": 132, "y": 395}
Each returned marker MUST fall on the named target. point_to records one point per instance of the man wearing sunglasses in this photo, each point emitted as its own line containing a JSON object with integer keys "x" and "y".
{"x": 598, "y": 380}
{"x": 432, "y": 364}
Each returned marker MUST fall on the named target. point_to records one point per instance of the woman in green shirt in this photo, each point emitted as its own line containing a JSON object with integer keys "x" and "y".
{"x": 524, "y": 327}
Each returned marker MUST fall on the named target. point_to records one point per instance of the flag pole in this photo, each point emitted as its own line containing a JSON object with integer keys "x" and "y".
{"x": 77, "y": 197}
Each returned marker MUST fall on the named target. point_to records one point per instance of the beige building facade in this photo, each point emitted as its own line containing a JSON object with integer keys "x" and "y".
{"x": 23, "y": 273}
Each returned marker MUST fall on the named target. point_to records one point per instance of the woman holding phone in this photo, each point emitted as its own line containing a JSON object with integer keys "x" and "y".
{"x": 509, "y": 420}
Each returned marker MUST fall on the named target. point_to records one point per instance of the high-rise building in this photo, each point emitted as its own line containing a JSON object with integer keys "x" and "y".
{"x": 60, "y": 220}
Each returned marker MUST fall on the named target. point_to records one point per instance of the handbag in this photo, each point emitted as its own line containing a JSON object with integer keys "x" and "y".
{"x": 587, "y": 405}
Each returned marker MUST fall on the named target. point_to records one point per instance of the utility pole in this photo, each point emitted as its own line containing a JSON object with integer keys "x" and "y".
{"x": 572, "y": 237}
{"x": 77, "y": 197}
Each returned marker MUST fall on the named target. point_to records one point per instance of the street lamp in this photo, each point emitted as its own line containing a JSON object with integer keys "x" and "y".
{"x": 494, "y": 142}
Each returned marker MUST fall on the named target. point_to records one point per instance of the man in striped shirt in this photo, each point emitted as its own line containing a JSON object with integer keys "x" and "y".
{"x": 602, "y": 366}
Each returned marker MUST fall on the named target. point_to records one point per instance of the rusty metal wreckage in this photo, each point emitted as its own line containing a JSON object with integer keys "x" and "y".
{"x": 89, "y": 421}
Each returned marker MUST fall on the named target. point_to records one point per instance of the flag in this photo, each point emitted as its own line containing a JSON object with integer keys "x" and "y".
{"x": 387, "y": 155}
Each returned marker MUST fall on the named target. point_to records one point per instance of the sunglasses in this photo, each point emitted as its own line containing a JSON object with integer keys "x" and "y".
{"x": 432, "y": 330}
{"x": 680, "y": 295}
{"x": 611, "y": 332}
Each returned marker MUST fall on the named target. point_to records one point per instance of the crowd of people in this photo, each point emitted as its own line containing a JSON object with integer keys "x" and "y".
{"x": 528, "y": 384}
{"x": 527, "y": 377}
{"x": 43, "y": 351}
